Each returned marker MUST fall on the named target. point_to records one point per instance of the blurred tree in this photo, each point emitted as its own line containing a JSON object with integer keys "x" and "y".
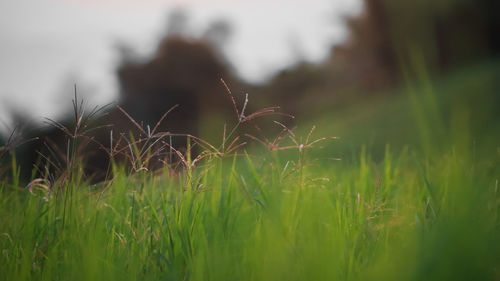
{"x": 218, "y": 34}
{"x": 387, "y": 36}
{"x": 184, "y": 72}
{"x": 177, "y": 23}
{"x": 446, "y": 34}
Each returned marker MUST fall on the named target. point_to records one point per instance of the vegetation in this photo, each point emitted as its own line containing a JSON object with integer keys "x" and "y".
{"x": 418, "y": 200}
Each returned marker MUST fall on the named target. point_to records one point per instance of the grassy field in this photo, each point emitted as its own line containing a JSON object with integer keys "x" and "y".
{"x": 415, "y": 197}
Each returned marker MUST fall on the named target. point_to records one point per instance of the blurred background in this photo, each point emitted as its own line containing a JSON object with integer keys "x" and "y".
{"x": 48, "y": 45}
{"x": 372, "y": 72}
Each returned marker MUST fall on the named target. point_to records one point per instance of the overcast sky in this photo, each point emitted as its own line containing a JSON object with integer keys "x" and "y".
{"x": 47, "y": 45}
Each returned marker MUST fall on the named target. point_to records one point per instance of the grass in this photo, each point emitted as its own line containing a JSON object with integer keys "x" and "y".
{"x": 427, "y": 212}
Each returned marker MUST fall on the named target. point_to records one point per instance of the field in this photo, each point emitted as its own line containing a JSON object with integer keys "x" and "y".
{"x": 414, "y": 196}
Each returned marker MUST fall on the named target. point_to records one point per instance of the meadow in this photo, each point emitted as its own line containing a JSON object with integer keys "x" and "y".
{"x": 409, "y": 191}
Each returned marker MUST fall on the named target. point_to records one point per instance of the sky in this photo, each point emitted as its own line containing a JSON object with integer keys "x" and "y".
{"x": 46, "y": 46}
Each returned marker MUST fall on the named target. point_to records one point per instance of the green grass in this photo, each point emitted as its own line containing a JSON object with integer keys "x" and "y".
{"x": 424, "y": 209}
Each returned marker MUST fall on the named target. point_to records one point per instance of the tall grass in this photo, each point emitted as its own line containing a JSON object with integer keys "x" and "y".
{"x": 278, "y": 214}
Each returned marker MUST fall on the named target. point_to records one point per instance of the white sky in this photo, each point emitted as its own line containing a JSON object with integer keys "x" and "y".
{"x": 47, "y": 45}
